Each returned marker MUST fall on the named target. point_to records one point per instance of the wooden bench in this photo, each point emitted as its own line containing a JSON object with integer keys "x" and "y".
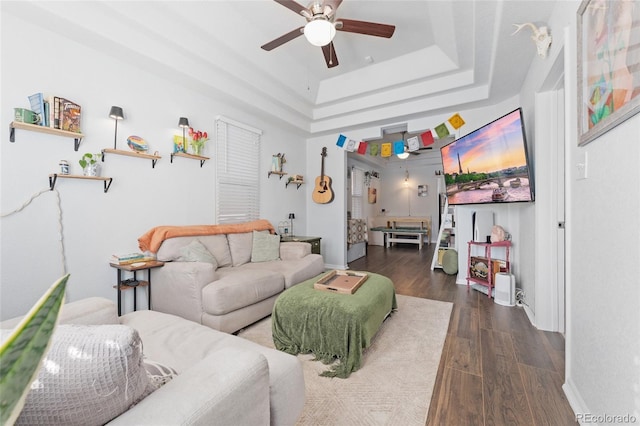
{"x": 397, "y": 230}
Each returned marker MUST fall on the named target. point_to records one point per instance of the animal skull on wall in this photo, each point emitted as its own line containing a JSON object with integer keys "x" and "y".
{"x": 540, "y": 36}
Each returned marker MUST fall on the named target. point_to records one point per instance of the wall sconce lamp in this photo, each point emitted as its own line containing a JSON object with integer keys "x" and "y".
{"x": 291, "y": 217}
{"x": 117, "y": 115}
{"x": 184, "y": 123}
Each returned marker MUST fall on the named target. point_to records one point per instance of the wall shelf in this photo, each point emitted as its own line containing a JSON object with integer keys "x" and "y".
{"x": 276, "y": 173}
{"x": 191, "y": 156}
{"x": 298, "y": 183}
{"x": 54, "y": 177}
{"x": 77, "y": 137}
{"x": 153, "y": 157}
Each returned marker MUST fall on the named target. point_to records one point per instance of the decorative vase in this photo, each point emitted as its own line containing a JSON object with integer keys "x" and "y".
{"x": 91, "y": 170}
{"x": 197, "y": 149}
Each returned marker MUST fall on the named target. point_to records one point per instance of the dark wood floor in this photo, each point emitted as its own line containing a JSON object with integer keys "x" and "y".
{"x": 496, "y": 368}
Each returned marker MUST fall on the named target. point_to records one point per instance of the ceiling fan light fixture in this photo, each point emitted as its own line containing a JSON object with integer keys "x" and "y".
{"x": 319, "y": 32}
{"x": 403, "y": 155}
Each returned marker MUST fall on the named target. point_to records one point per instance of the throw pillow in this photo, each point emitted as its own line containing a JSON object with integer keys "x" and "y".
{"x": 158, "y": 374}
{"x": 90, "y": 375}
{"x": 266, "y": 247}
{"x": 195, "y": 251}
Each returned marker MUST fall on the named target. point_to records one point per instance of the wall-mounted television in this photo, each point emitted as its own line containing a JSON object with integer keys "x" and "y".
{"x": 490, "y": 164}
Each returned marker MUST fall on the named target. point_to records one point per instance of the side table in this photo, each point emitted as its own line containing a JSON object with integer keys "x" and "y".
{"x": 314, "y": 241}
{"x": 134, "y": 282}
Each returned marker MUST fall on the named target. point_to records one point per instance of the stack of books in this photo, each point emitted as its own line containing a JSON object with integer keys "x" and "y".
{"x": 56, "y": 112}
{"x": 127, "y": 259}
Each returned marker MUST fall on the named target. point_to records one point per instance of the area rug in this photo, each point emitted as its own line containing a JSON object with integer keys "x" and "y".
{"x": 395, "y": 383}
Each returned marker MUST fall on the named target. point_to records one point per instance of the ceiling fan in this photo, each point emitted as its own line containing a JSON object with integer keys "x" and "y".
{"x": 321, "y": 27}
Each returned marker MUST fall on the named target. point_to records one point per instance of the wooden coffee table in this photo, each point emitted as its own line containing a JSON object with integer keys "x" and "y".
{"x": 332, "y": 326}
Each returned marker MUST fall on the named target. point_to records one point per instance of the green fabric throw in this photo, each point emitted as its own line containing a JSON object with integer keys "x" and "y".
{"x": 332, "y": 326}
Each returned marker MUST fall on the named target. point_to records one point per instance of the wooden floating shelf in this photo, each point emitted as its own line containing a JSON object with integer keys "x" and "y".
{"x": 77, "y": 137}
{"x": 191, "y": 156}
{"x": 153, "y": 157}
{"x": 53, "y": 177}
{"x": 296, "y": 182}
{"x": 277, "y": 173}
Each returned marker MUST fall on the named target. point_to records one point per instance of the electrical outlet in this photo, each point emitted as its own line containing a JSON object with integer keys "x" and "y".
{"x": 581, "y": 167}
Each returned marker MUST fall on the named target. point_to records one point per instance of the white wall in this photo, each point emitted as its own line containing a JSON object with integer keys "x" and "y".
{"x": 602, "y": 351}
{"x": 603, "y": 319}
{"x": 95, "y": 224}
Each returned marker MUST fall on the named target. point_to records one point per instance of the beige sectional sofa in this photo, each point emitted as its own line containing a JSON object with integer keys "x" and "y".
{"x": 221, "y": 378}
{"x": 239, "y": 285}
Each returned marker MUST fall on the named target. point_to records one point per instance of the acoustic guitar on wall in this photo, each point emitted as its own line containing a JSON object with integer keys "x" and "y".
{"x": 322, "y": 193}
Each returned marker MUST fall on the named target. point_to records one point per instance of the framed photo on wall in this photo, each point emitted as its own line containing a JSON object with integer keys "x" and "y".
{"x": 608, "y": 65}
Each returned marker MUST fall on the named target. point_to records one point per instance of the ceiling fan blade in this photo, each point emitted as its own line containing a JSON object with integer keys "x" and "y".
{"x": 292, "y": 5}
{"x": 330, "y": 55}
{"x": 283, "y": 39}
{"x": 368, "y": 28}
{"x": 333, "y": 4}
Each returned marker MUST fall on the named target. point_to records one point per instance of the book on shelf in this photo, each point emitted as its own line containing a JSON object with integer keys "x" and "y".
{"x": 37, "y": 105}
{"x": 127, "y": 258}
{"x": 56, "y": 112}
{"x": 69, "y": 116}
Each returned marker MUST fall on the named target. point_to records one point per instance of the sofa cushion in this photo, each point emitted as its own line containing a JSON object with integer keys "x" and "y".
{"x": 90, "y": 374}
{"x": 293, "y": 271}
{"x": 240, "y": 246}
{"x": 217, "y": 245}
{"x": 238, "y": 288}
{"x": 195, "y": 251}
{"x": 266, "y": 247}
{"x": 181, "y": 344}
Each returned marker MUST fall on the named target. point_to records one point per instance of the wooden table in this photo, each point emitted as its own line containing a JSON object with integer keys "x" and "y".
{"x": 134, "y": 282}
{"x": 314, "y": 241}
{"x": 399, "y": 226}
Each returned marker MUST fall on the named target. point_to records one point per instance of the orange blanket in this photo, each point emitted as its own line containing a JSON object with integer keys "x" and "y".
{"x": 153, "y": 238}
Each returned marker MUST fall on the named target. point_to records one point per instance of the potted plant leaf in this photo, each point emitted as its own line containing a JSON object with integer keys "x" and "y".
{"x": 90, "y": 165}
{"x": 22, "y": 353}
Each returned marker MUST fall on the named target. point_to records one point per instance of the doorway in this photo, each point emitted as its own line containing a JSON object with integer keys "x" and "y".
{"x": 550, "y": 301}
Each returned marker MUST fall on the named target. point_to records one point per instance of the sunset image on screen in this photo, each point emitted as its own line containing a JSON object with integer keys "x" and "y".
{"x": 489, "y": 164}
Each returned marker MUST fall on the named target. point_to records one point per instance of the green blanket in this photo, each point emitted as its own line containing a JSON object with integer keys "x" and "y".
{"x": 332, "y": 326}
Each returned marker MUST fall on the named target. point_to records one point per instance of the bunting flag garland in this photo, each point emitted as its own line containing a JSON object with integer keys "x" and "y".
{"x": 427, "y": 138}
{"x": 442, "y": 131}
{"x": 398, "y": 147}
{"x": 413, "y": 144}
{"x": 386, "y": 149}
{"x": 456, "y": 121}
{"x": 362, "y": 148}
{"x": 351, "y": 145}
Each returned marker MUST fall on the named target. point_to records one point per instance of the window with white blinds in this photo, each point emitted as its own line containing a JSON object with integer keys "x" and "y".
{"x": 237, "y": 169}
{"x": 357, "y": 191}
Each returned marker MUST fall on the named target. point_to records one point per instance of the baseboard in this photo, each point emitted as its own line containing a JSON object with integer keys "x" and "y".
{"x": 531, "y": 315}
{"x": 329, "y": 267}
{"x": 575, "y": 400}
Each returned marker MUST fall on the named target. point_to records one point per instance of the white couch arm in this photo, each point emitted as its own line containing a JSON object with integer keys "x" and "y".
{"x": 228, "y": 387}
{"x": 177, "y": 288}
{"x": 292, "y": 250}
{"x": 89, "y": 311}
